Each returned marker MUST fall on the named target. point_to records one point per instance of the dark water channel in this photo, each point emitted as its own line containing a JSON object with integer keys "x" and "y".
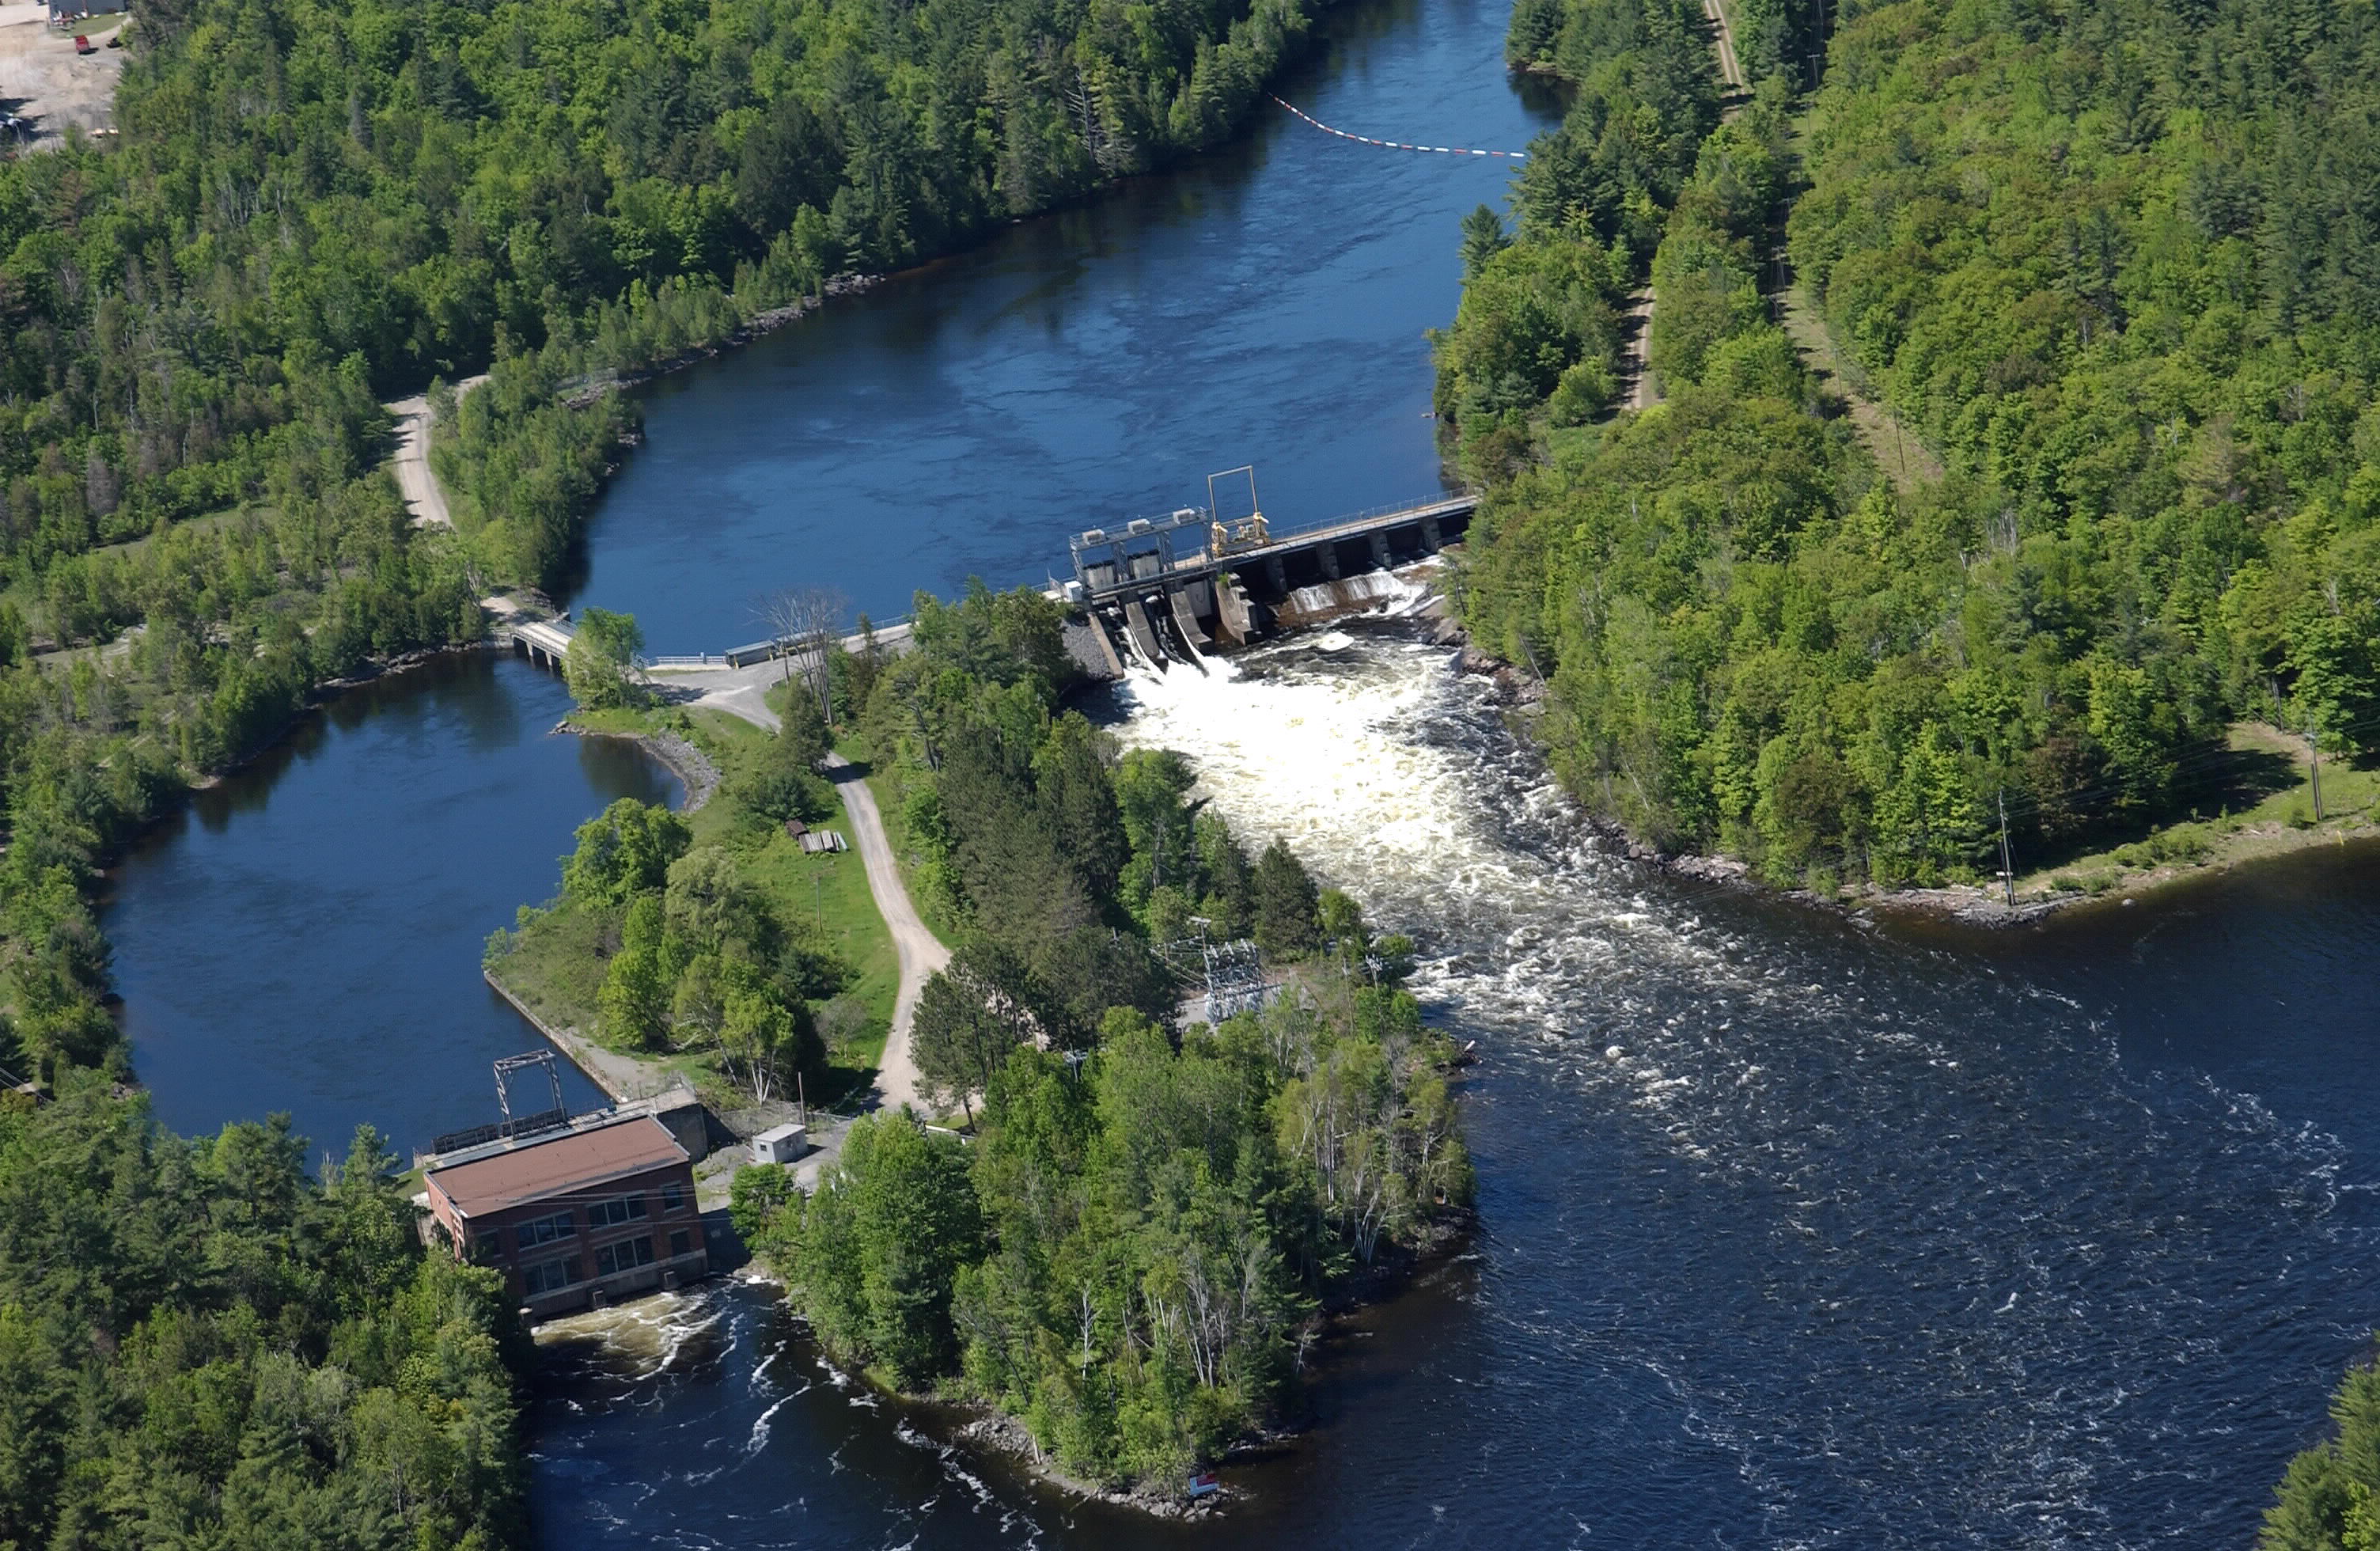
{"x": 306, "y": 936}
{"x": 1795, "y": 1231}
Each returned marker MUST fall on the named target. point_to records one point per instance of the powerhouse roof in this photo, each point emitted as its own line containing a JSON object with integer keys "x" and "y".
{"x": 561, "y": 1166}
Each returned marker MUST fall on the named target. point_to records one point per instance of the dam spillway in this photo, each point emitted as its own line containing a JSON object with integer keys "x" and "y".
{"x": 1166, "y": 587}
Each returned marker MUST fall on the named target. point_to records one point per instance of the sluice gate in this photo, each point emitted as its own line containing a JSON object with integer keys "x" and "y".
{"x": 1173, "y": 586}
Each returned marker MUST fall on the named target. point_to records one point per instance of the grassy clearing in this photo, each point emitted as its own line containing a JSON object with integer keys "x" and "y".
{"x": 2270, "y": 810}
{"x": 618, "y": 723}
{"x": 556, "y": 964}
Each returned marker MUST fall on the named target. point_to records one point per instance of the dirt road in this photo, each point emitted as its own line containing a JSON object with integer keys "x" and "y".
{"x": 921, "y": 953}
{"x": 1730, "y": 69}
{"x": 739, "y": 692}
{"x": 411, "y": 462}
{"x": 1636, "y": 370}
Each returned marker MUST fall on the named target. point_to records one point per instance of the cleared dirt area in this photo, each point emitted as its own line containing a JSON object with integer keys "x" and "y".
{"x": 46, "y": 84}
{"x": 1906, "y": 461}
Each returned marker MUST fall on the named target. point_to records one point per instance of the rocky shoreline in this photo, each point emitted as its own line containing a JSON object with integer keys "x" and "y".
{"x": 690, "y": 765}
{"x": 993, "y": 1431}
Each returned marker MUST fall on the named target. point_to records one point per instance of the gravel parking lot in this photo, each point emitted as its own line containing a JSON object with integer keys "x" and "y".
{"x": 44, "y": 83}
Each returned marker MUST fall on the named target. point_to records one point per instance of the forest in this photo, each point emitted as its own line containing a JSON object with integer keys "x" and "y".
{"x": 203, "y": 1342}
{"x": 1128, "y": 1253}
{"x": 2111, "y": 263}
{"x": 310, "y": 208}
{"x": 2330, "y": 1498}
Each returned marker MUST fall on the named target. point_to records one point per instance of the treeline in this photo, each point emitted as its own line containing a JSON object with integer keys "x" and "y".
{"x": 202, "y": 1344}
{"x": 307, "y": 199}
{"x": 1028, "y": 839}
{"x": 1584, "y": 40}
{"x": 1128, "y": 1256}
{"x": 2330, "y": 1498}
{"x": 1536, "y": 340}
{"x": 2154, "y": 406}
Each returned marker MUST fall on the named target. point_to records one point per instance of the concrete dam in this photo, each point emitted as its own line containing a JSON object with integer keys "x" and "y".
{"x": 1162, "y": 590}
{"x": 1166, "y": 589}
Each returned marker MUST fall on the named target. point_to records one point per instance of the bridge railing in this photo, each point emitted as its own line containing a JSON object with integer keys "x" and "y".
{"x": 1275, "y": 537}
{"x": 883, "y": 628}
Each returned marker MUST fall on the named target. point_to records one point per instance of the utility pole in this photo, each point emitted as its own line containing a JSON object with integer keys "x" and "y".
{"x": 2314, "y": 745}
{"x": 2008, "y": 867}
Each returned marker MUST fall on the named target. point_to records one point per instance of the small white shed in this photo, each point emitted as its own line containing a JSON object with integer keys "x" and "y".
{"x": 781, "y": 1144}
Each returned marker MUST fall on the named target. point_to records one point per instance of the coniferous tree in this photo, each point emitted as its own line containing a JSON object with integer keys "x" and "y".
{"x": 1285, "y": 903}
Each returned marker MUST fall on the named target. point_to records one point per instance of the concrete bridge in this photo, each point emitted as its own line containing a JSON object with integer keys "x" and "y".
{"x": 547, "y": 641}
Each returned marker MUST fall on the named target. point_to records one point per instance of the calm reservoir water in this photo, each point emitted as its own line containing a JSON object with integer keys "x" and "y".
{"x": 1796, "y": 1230}
{"x": 306, "y": 936}
{"x": 1264, "y": 306}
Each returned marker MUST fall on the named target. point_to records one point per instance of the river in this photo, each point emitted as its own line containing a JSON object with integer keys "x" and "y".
{"x": 1797, "y": 1230}
{"x": 1266, "y": 306}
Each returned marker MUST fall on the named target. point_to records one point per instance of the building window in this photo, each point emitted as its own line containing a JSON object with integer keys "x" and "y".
{"x": 625, "y": 1255}
{"x": 603, "y": 1214}
{"x": 545, "y": 1231}
{"x": 488, "y": 1246}
{"x": 678, "y": 1244}
{"x": 551, "y": 1275}
{"x": 672, "y": 1197}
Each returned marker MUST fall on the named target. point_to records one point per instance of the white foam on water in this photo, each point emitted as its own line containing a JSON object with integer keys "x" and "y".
{"x": 645, "y": 1338}
{"x": 1941, "y": 1162}
{"x": 759, "y": 1438}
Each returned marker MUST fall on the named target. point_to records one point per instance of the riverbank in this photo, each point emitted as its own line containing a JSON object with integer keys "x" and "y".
{"x": 665, "y": 746}
{"x": 759, "y": 325}
{"x": 1332, "y": 1344}
{"x": 623, "y": 1077}
{"x": 2280, "y": 823}
{"x": 501, "y": 612}
{"x": 2168, "y": 857}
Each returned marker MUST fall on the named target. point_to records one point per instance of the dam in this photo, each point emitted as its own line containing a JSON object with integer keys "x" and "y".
{"x": 1162, "y": 591}
{"x": 1169, "y": 588}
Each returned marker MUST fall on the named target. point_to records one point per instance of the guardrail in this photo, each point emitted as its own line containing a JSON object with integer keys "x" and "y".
{"x": 894, "y": 629}
{"x": 1275, "y": 535}
{"x": 1201, "y": 561}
